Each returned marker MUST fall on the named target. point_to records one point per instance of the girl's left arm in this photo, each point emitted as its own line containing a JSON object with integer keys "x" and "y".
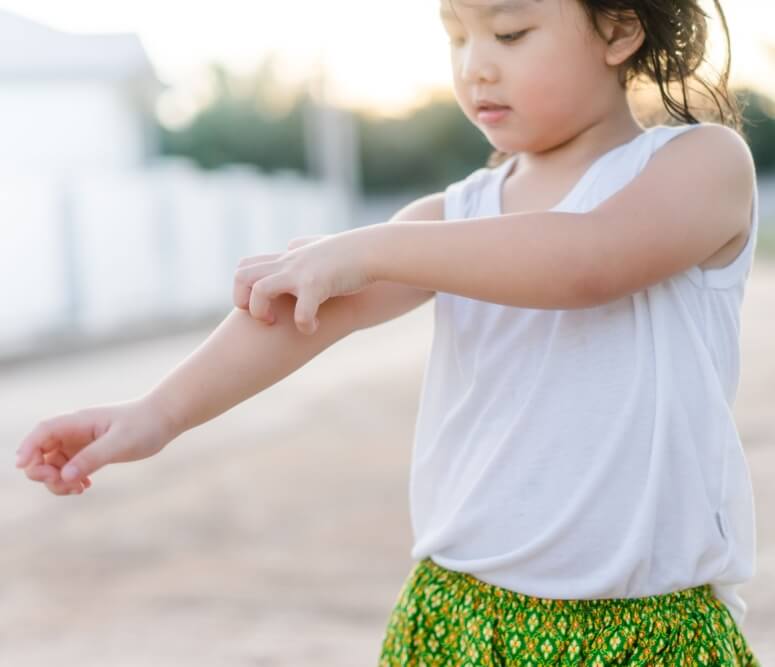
{"x": 691, "y": 199}
{"x": 693, "y": 196}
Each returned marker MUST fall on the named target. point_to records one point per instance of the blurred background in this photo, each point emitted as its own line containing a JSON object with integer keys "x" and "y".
{"x": 147, "y": 147}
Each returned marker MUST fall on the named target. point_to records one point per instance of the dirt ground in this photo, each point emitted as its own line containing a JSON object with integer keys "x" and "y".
{"x": 276, "y": 534}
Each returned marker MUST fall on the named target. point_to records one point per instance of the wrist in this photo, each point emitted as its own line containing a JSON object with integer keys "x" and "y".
{"x": 164, "y": 413}
{"x": 374, "y": 249}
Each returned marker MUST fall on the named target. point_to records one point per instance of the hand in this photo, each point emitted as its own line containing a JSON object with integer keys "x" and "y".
{"x": 241, "y": 299}
{"x": 90, "y": 439}
{"x": 314, "y": 269}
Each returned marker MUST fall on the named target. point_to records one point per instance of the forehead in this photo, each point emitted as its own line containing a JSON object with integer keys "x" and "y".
{"x": 487, "y": 9}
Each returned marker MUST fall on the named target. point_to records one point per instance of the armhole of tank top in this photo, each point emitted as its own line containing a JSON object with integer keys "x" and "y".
{"x": 456, "y": 206}
{"x": 453, "y": 201}
{"x": 457, "y": 195}
{"x": 737, "y": 270}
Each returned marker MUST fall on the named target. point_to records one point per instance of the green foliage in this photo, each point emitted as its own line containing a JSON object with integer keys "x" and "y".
{"x": 759, "y": 127}
{"x": 429, "y": 149}
{"x": 240, "y": 126}
{"x": 424, "y": 151}
{"x": 765, "y": 242}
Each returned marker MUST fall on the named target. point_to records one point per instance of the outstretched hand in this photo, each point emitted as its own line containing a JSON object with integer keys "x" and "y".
{"x": 82, "y": 442}
{"x": 314, "y": 269}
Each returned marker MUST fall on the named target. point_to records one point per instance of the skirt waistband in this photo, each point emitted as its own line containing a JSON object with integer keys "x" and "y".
{"x": 699, "y": 598}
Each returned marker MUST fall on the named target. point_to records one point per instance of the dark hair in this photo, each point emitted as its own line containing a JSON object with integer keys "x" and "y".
{"x": 675, "y": 45}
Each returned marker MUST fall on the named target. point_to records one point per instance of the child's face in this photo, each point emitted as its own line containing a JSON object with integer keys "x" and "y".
{"x": 554, "y": 77}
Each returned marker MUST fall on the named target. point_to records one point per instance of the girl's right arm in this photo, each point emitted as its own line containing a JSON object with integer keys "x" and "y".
{"x": 241, "y": 358}
{"x": 244, "y": 356}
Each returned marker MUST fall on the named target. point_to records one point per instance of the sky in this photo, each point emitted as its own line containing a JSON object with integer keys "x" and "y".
{"x": 381, "y": 55}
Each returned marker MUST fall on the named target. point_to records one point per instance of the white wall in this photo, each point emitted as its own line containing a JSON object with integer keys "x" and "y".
{"x": 56, "y": 126}
{"x": 96, "y": 252}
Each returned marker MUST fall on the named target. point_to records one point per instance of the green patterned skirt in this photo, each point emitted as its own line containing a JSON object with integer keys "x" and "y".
{"x": 452, "y": 619}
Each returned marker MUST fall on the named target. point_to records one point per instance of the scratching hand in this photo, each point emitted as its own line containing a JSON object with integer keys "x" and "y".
{"x": 314, "y": 269}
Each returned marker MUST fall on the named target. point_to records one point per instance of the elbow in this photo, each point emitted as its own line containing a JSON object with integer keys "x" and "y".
{"x": 590, "y": 289}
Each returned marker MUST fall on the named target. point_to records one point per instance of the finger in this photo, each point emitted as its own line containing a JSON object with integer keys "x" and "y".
{"x": 245, "y": 278}
{"x": 240, "y": 292}
{"x": 305, "y": 315}
{"x": 58, "y": 460}
{"x": 263, "y": 291}
{"x": 255, "y": 259}
{"x": 90, "y": 459}
{"x": 40, "y": 439}
{"x": 71, "y": 429}
{"x": 51, "y": 478}
{"x": 61, "y": 488}
{"x": 40, "y": 471}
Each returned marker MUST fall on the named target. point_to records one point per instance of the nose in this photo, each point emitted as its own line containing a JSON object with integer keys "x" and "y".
{"x": 476, "y": 65}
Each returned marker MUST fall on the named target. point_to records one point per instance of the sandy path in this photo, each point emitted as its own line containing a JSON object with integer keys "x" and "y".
{"x": 277, "y": 534}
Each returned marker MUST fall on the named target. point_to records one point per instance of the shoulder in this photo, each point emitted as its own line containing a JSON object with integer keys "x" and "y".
{"x": 427, "y": 208}
{"x": 714, "y": 157}
{"x": 709, "y": 165}
{"x": 693, "y": 196}
{"x": 714, "y": 142}
{"x": 435, "y": 206}
{"x": 461, "y": 198}
{"x": 475, "y": 179}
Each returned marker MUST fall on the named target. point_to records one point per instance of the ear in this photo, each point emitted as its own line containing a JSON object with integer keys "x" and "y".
{"x": 624, "y": 35}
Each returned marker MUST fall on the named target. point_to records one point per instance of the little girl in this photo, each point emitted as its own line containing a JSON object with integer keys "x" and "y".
{"x": 579, "y": 494}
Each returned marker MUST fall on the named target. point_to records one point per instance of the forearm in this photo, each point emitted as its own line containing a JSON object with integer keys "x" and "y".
{"x": 241, "y": 358}
{"x": 537, "y": 259}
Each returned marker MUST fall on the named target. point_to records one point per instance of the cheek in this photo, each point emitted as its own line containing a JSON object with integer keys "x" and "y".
{"x": 553, "y": 90}
{"x": 462, "y": 92}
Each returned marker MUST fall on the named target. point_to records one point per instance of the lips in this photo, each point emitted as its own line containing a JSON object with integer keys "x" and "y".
{"x": 492, "y": 116}
{"x": 490, "y": 106}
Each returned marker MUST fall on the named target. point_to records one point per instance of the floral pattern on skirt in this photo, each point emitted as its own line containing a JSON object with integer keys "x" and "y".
{"x": 452, "y": 619}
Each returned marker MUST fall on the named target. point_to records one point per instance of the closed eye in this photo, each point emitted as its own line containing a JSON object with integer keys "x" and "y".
{"x": 506, "y": 38}
{"x": 510, "y": 37}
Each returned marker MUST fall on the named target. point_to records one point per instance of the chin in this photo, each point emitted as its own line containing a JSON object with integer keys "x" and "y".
{"x": 502, "y": 146}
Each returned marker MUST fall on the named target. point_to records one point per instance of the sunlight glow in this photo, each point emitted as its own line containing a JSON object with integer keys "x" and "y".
{"x": 381, "y": 56}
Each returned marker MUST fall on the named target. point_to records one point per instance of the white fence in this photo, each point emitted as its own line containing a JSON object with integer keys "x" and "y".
{"x": 95, "y": 254}
{"x": 99, "y": 256}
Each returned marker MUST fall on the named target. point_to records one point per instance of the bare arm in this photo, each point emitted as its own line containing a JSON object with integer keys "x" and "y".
{"x": 244, "y": 356}
{"x": 384, "y": 300}
{"x": 241, "y": 358}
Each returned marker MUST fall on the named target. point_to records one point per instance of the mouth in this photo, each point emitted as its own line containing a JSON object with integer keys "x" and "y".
{"x": 488, "y": 106}
{"x": 491, "y": 113}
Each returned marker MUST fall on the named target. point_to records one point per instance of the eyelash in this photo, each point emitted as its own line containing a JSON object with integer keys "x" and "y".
{"x": 508, "y": 38}
{"x": 513, "y": 35}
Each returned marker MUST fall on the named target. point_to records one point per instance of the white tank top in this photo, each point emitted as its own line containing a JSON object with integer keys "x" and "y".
{"x": 587, "y": 453}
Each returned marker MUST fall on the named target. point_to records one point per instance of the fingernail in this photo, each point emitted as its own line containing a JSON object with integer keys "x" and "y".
{"x": 69, "y": 473}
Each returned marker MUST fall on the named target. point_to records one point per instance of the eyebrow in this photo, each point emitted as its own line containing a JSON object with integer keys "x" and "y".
{"x": 489, "y": 11}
